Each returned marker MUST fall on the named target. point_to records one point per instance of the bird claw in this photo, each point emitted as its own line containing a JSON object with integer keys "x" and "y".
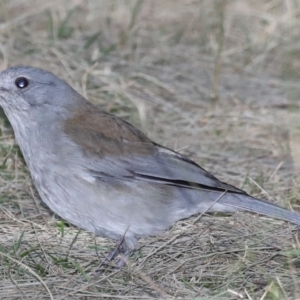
{"x": 121, "y": 250}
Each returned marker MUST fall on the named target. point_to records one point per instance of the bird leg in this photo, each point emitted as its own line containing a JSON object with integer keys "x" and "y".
{"x": 121, "y": 249}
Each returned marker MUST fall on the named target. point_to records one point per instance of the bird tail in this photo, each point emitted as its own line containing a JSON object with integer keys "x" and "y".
{"x": 248, "y": 203}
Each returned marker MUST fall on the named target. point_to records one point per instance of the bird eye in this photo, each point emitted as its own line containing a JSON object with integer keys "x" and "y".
{"x": 21, "y": 82}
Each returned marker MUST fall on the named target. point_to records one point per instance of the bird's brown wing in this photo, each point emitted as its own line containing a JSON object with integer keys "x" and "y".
{"x": 119, "y": 150}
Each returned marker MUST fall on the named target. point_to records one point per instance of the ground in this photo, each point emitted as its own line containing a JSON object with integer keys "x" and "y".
{"x": 215, "y": 80}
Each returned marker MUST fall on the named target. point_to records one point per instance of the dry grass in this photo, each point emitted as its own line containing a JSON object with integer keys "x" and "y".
{"x": 216, "y": 80}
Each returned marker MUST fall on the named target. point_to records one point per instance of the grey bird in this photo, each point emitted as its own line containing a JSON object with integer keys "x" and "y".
{"x": 100, "y": 173}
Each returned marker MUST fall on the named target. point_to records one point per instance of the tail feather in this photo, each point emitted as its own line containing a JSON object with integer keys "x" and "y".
{"x": 248, "y": 203}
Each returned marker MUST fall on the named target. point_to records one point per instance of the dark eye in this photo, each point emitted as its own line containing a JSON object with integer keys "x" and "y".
{"x": 21, "y": 82}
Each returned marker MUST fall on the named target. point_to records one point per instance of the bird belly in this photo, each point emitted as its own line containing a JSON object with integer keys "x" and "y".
{"x": 116, "y": 208}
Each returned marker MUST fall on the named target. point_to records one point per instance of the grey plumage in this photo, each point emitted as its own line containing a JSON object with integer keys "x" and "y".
{"x": 102, "y": 174}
